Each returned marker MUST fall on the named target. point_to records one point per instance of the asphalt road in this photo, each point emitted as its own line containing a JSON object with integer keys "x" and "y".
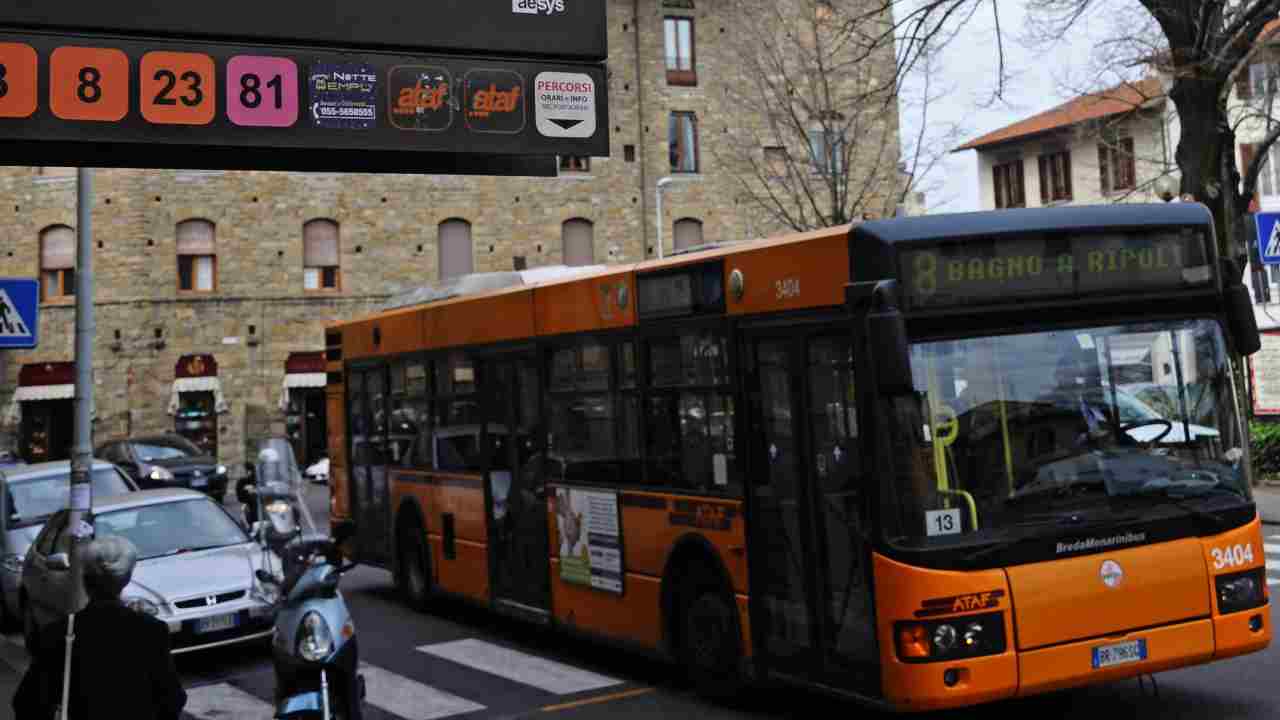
{"x": 461, "y": 663}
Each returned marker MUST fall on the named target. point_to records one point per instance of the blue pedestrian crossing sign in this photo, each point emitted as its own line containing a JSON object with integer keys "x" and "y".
{"x": 19, "y": 305}
{"x": 1269, "y": 237}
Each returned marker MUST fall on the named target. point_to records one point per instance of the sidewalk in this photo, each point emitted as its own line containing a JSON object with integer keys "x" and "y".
{"x": 1268, "y": 499}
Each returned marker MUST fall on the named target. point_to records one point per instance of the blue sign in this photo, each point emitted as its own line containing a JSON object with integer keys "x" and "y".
{"x": 19, "y": 308}
{"x": 1269, "y": 237}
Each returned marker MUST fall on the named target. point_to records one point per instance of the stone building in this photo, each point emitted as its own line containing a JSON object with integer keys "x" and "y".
{"x": 212, "y": 288}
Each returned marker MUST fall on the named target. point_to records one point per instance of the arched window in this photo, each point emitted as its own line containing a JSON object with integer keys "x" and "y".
{"x": 578, "y": 237}
{"x": 57, "y": 262}
{"x": 688, "y": 233}
{"x": 320, "y": 255}
{"x": 455, "y": 254}
{"x": 197, "y": 257}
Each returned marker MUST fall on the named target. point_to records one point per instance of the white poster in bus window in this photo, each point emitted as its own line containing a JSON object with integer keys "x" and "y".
{"x": 590, "y": 538}
{"x": 1264, "y": 367}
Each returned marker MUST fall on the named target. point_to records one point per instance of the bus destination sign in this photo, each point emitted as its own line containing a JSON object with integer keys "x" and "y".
{"x": 1012, "y": 269}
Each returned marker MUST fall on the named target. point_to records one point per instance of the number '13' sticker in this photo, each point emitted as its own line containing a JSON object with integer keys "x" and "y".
{"x": 942, "y": 522}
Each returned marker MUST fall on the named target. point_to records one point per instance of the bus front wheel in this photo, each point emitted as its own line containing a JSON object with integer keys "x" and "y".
{"x": 710, "y": 645}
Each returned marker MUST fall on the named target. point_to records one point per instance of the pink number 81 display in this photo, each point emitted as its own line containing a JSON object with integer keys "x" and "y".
{"x": 262, "y": 91}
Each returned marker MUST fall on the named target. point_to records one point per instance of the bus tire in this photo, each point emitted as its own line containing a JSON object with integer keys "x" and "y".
{"x": 413, "y": 569}
{"x": 710, "y": 643}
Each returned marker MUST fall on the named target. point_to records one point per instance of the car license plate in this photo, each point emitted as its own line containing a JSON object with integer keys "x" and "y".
{"x": 216, "y": 623}
{"x": 199, "y": 481}
{"x": 1119, "y": 653}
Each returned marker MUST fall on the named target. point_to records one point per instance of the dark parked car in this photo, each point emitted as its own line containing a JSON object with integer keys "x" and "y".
{"x": 166, "y": 461}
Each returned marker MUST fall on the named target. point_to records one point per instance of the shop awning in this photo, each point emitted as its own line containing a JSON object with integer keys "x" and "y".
{"x": 302, "y": 370}
{"x": 196, "y": 373}
{"x": 38, "y": 382}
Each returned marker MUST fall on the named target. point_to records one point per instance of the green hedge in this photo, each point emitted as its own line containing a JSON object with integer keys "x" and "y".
{"x": 1265, "y": 443}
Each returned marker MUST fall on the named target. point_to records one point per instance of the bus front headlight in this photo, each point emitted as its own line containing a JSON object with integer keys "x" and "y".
{"x": 1240, "y": 591}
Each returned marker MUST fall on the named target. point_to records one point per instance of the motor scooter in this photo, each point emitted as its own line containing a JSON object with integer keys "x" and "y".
{"x": 314, "y": 649}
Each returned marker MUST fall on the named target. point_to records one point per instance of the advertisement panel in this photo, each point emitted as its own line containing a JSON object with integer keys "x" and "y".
{"x": 590, "y": 536}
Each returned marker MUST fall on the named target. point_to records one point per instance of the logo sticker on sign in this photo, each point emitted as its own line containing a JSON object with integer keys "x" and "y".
{"x": 343, "y": 96}
{"x": 537, "y": 7}
{"x": 495, "y": 101}
{"x": 565, "y": 105}
{"x": 420, "y": 98}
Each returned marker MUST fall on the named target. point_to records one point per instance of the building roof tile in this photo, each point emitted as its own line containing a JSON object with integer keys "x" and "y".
{"x": 1105, "y": 103}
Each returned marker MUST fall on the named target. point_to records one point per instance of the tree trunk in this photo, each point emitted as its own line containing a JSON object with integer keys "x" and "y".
{"x": 1206, "y": 157}
{"x": 1206, "y": 153}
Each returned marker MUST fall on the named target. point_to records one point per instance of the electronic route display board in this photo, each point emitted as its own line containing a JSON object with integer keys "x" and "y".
{"x": 1017, "y": 268}
{"x": 483, "y": 86}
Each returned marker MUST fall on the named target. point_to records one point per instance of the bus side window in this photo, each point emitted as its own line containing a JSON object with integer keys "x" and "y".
{"x": 690, "y": 425}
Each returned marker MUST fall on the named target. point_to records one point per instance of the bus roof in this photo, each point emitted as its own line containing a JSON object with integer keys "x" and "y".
{"x": 570, "y": 297}
{"x": 1031, "y": 220}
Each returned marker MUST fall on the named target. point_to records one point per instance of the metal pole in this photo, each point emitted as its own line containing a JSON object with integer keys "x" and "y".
{"x": 82, "y": 451}
{"x": 658, "y": 192}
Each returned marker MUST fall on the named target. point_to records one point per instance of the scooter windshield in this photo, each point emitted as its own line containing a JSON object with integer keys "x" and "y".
{"x": 279, "y": 479}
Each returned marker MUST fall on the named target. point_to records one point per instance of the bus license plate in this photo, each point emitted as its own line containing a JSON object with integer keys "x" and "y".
{"x": 216, "y": 623}
{"x": 1119, "y": 653}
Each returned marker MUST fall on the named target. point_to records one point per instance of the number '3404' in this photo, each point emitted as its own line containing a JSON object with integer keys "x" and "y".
{"x": 1232, "y": 556}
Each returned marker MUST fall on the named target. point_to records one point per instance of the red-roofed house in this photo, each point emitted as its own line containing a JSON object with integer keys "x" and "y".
{"x": 1108, "y": 146}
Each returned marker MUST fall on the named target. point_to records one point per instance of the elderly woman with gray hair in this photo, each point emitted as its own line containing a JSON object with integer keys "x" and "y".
{"x": 120, "y": 661}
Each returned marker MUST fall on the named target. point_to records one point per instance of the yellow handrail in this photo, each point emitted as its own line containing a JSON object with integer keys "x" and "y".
{"x": 973, "y": 506}
{"x": 1004, "y": 420}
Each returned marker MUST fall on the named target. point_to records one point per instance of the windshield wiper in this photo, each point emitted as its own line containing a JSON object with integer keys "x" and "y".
{"x": 1055, "y": 489}
{"x": 190, "y": 549}
{"x": 1181, "y": 500}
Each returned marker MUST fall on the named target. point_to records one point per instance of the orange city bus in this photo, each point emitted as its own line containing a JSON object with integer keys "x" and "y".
{"x": 923, "y": 462}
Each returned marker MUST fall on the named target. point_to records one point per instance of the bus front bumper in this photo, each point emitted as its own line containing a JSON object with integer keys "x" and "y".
{"x": 1031, "y": 672}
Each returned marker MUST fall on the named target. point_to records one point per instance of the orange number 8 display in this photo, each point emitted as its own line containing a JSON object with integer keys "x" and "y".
{"x": 17, "y": 80}
{"x": 89, "y": 84}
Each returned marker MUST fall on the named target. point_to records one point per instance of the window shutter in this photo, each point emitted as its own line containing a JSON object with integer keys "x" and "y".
{"x": 455, "y": 253}
{"x": 320, "y": 244}
{"x": 1244, "y": 88}
{"x": 195, "y": 237}
{"x": 1044, "y": 179}
{"x": 1130, "y": 163}
{"x": 998, "y": 186}
{"x": 688, "y": 233}
{"x": 577, "y": 235}
{"x": 58, "y": 248}
{"x": 1020, "y": 195}
{"x": 1104, "y": 169}
{"x": 1066, "y": 175}
{"x": 1247, "y": 152}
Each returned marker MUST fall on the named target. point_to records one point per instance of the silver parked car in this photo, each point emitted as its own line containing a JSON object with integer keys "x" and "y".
{"x": 31, "y": 494}
{"x": 196, "y": 568}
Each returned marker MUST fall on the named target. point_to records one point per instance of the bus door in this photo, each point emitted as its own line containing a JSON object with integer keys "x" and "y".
{"x": 811, "y": 590}
{"x": 516, "y": 498}
{"x": 370, "y": 492}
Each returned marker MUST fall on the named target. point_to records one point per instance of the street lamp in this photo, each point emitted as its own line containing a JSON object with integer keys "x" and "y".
{"x": 663, "y": 182}
{"x": 1166, "y": 186}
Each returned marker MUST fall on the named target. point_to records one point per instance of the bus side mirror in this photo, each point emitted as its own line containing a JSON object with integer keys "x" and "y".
{"x": 1241, "y": 322}
{"x": 887, "y": 333}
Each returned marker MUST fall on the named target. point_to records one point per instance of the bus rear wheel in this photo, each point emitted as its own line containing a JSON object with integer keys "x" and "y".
{"x": 710, "y": 644}
{"x": 413, "y": 572}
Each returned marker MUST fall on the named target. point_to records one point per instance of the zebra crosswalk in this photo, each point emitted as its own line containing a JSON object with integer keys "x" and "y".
{"x": 449, "y": 679}
{"x": 1271, "y": 546}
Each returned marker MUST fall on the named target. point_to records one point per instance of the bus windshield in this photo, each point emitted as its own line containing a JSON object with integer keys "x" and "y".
{"x": 1094, "y": 423}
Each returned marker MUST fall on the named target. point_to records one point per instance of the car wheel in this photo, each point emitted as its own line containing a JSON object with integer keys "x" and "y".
{"x": 710, "y": 647}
